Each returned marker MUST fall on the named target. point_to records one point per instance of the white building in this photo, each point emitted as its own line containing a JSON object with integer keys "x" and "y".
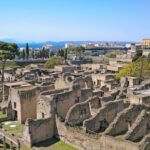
{"x": 70, "y": 45}
{"x": 51, "y": 48}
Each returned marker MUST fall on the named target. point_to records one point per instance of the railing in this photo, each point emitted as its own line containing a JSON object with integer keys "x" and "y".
{"x": 9, "y": 137}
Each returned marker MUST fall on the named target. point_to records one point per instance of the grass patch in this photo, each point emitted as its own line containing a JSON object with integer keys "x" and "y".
{"x": 61, "y": 146}
{"x": 2, "y": 115}
{"x": 13, "y": 127}
{"x": 120, "y": 137}
{"x": 54, "y": 144}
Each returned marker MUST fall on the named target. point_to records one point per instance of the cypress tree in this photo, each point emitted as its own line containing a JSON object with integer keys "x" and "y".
{"x": 27, "y": 51}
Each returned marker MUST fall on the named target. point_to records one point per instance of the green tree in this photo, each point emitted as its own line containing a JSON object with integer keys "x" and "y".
{"x": 45, "y": 53}
{"x": 148, "y": 57}
{"x": 139, "y": 68}
{"x": 53, "y": 61}
{"x": 66, "y": 54}
{"x": 60, "y": 53}
{"x": 138, "y": 55}
{"x": 27, "y": 51}
{"x": 51, "y": 53}
{"x": 33, "y": 54}
{"x": 23, "y": 54}
{"x": 113, "y": 54}
{"x": 78, "y": 51}
{"x": 8, "y": 51}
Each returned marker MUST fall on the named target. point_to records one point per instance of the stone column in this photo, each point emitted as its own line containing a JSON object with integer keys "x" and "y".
{"x": 4, "y": 143}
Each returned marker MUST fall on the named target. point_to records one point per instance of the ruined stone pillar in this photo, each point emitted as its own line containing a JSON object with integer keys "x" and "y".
{"x": 4, "y": 143}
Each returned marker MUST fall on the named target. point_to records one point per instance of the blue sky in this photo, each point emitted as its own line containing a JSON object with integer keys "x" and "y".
{"x": 59, "y": 20}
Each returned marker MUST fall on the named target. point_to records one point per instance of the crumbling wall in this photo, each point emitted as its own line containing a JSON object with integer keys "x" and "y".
{"x": 45, "y": 107}
{"x": 67, "y": 99}
{"x": 60, "y": 83}
{"x": 78, "y": 113}
{"x": 14, "y": 98}
{"x": 124, "y": 82}
{"x": 85, "y": 82}
{"x": 95, "y": 102}
{"x": 114, "y": 93}
{"x": 28, "y": 102}
{"x": 106, "y": 99}
{"x": 46, "y": 87}
{"x": 104, "y": 117}
{"x": 145, "y": 143}
{"x": 140, "y": 127}
{"x": 99, "y": 93}
{"x": 124, "y": 119}
{"x": 83, "y": 141}
{"x": 85, "y": 94}
{"x": 88, "y": 82}
{"x": 63, "y": 82}
{"x": 38, "y": 130}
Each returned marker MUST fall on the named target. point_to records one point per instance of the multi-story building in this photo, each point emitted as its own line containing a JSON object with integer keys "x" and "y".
{"x": 146, "y": 43}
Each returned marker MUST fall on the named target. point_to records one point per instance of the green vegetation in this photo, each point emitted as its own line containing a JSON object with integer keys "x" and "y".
{"x": 10, "y": 65}
{"x": 53, "y": 61}
{"x": 113, "y": 54}
{"x": 13, "y": 127}
{"x": 138, "y": 55}
{"x": 53, "y": 144}
{"x": 78, "y": 51}
{"x": 2, "y": 115}
{"x": 61, "y": 146}
{"x": 8, "y": 51}
{"x": 140, "y": 68}
{"x": 119, "y": 137}
{"x": 27, "y": 51}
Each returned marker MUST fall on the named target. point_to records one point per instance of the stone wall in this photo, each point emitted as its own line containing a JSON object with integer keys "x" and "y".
{"x": 67, "y": 82}
{"x": 28, "y": 100}
{"x": 124, "y": 120}
{"x": 38, "y": 130}
{"x": 85, "y": 94}
{"x": 140, "y": 127}
{"x": 46, "y": 87}
{"x": 78, "y": 113}
{"x": 95, "y": 102}
{"x": 104, "y": 117}
{"x": 145, "y": 143}
{"x": 61, "y": 83}
{"x": 83, "y": 141}
{"x": 14, "y": 98}
{"x": 45, "y": 107}
{"x": 67, "y": 99}
{"x": 85, "y": 82}
{"x": 106, "y": 99}
{"x": 99, "y": 93}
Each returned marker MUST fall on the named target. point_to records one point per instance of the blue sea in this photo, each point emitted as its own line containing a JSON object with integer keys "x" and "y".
{"x": 60, "y": 44}
{"x": 40, "y": 45}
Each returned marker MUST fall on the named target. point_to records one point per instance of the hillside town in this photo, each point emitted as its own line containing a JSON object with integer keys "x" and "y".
{"x": 88, "y": 102}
